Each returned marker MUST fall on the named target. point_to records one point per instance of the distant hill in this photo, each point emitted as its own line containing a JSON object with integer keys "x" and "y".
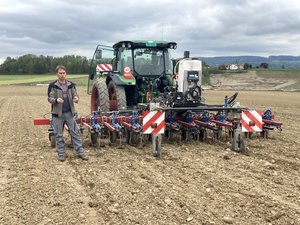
{"x": 274, "y": 61}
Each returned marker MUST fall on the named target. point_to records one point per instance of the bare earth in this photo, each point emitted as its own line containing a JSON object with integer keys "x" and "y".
{"x": 253, "y": 80}
{"x": 193, "y": 183}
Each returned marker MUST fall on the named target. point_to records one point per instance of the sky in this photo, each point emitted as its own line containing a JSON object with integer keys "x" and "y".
{"x": 204, "y": 27}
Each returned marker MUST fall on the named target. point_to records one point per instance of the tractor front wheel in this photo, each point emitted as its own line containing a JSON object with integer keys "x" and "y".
{"x": 117, "y": 97}
{"x": 100, "y": 98}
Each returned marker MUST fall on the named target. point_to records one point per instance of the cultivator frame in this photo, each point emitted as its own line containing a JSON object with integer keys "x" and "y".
{"x": 184, "y": 123}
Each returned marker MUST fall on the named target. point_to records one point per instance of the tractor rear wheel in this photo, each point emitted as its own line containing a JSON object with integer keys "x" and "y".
{"x": 117, "y": 97}
{"x": 100, "y": 98}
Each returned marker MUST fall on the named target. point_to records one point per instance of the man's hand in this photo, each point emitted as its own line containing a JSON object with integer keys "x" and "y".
{"x": 60, "y": 100}
{"x": 75, "y": 99}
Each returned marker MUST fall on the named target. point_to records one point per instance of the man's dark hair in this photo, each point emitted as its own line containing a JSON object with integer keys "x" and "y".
{"x": 60, "y": 67}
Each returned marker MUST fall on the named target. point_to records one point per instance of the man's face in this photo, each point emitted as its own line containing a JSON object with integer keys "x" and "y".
{"x": 61, "y": 74}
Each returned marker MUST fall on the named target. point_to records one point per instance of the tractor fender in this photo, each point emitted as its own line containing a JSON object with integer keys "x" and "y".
{"x": 119, "y": 79}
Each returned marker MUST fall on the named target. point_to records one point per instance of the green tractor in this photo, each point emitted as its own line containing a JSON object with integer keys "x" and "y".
{"x": 129, "y": 73}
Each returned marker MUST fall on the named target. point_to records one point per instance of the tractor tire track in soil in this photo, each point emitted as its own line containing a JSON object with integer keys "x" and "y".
{"x": 193, "y": 183}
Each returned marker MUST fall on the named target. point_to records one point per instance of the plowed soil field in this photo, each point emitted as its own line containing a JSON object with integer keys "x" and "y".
{"x": 192, "y": 183}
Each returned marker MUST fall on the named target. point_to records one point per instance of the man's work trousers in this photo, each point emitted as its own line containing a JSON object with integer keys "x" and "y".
{"x": 58, "y": 123}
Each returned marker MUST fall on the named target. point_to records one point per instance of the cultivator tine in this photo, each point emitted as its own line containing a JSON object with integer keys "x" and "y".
{"x": 96, "y": 128}
{"x": 115, "y": 129}
{"x": 133, "y": 130}
{"x": 269, "y": 123}
{"x": 173, "y": 128}
{"x": 204, "y": 122}
{"x": 188, "y": 127}
{"x": 173, "y": 132}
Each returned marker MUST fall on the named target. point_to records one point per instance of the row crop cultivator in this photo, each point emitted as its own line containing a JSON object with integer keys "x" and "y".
{"x": 141, "y": 97}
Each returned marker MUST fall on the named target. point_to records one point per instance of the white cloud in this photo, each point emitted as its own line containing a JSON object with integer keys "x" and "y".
{"x": 206, "y": 28}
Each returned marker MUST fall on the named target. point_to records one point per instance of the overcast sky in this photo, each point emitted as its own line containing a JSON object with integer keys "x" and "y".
{"x": 206, "y": 28}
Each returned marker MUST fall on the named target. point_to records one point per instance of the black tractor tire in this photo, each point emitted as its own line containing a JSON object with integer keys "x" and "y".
{"x": 100, "y": 98}
{"x": 117, "y": 97}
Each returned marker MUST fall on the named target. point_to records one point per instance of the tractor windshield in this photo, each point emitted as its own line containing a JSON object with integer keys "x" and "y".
{"x": 151, "y": 61}
{"x": 145, "y": 61}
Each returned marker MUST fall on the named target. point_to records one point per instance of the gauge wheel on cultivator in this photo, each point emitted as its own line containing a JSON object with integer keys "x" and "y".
{"x": 117, "y": 97}
{"x": 100, "y": 98}
{"x": 94, "y": 138}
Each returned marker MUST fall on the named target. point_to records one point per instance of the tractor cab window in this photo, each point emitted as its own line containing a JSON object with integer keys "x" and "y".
{"x": 149, "y": 61}
{"x": 125, "y": 59}
{"x": 100, "y": 63}
{"x": 168, "y": 61}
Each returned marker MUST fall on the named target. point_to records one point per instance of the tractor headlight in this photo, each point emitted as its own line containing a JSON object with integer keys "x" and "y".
{"x": 173, "y": 46}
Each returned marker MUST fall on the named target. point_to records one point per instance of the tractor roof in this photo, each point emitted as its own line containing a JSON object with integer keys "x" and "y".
{"x": 145, "y": 44}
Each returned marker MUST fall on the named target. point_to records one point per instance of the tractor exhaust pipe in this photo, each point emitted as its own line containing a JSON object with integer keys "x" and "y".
{"x": 186, "y": 54}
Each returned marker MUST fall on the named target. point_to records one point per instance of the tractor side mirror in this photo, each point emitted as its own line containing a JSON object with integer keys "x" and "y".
{"x": 91, "y": 76}
{"x": 98, "y": 54}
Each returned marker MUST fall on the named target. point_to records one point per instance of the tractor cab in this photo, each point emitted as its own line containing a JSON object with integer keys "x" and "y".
{"x": 145, "y": 59}
{"x": 133, "y": 72}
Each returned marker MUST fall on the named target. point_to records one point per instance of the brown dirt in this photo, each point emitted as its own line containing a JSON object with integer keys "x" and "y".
{"x": 257, "y": 80}
{"x": 193, "y": 183}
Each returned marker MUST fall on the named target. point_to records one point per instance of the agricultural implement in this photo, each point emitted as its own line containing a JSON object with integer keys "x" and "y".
{"x": 139, "y": 96}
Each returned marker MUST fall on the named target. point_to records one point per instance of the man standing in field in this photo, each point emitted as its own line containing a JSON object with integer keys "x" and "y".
{"x": 62, "y": 94}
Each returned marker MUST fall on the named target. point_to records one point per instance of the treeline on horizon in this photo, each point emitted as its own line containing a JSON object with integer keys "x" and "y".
{"x": 32, "y": 64}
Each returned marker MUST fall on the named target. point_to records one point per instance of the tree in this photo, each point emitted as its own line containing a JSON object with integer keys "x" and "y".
{"x": 246, "y": 66}
{"x": 264, "y": 65}
{"x": 32, "y": 64}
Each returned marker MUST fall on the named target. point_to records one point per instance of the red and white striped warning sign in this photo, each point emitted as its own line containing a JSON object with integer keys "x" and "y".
{"x": 252, "y": 121}
{"x": 153, "y": 122}
{"x": 104, "y": 67}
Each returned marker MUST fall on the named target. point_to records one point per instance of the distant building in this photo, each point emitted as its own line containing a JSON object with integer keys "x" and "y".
{"x": 235, "y": 67}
